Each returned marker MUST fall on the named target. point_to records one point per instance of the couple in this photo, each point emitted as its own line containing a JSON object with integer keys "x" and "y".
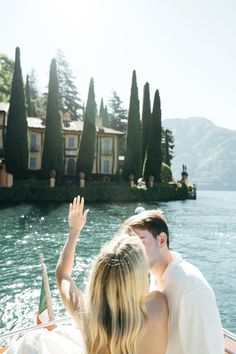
{"x": 118, "y": 314}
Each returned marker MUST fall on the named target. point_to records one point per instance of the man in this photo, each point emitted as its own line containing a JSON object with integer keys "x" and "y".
{"x": 194, "y": 321}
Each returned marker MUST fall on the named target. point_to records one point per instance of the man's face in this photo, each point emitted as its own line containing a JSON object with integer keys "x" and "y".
{"x": 151, "y": 245}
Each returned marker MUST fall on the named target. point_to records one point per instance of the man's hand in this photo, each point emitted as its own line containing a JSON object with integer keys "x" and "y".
{"x": 76, "y": 216}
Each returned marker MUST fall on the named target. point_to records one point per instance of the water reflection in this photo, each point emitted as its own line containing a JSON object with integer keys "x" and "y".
{"x": 203, "y": 230}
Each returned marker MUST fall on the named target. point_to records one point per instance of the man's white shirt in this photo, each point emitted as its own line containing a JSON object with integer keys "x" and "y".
{"x": 194, "y": 324}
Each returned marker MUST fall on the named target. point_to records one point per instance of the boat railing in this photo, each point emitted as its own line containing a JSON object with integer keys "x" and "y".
{"x": 229, "y": 334}
{"x": 32, "y": 328}
{"x": 230, "y": 342}
{"x": 229, "y": 337}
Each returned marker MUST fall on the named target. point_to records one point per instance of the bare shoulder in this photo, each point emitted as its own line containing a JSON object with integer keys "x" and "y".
{"x": 156, "y": 304}
{"x": 155, "y": 330}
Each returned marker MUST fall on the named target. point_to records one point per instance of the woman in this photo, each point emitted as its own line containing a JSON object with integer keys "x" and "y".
{"x": 117, "y": 315}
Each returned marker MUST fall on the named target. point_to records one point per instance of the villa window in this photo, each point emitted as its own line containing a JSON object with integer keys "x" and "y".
{"x": 33, "y": 142}
{"x": 33, "y": 163}
{"x": 106, "y": 146}
{"x": 105, "y": 166}
{"x": 70, "y": 142}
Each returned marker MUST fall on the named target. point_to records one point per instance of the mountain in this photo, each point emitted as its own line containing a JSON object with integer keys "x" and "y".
{"x": 208, "y": 151}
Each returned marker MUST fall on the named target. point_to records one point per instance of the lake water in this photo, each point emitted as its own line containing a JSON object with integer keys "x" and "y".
{"x": 203, "y": 230}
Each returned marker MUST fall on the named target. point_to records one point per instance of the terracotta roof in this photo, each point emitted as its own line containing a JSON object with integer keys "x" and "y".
{"x": 109, "y": 131}
{"x": 75, "y": 126}
{"x": 4, "y": 106}
{"x": 34, "y": 122}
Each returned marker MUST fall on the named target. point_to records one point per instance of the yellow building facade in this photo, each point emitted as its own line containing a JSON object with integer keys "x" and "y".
{"x": 106, "y": 160}
{"x": 6, "y": 179}
{"x": 3, "y": 114}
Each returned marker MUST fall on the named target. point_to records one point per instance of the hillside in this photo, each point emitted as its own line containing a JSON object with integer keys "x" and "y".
{"x": 208, "y": 151}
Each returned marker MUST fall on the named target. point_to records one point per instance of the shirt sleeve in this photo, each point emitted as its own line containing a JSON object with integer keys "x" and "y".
{"x": 200, "y": 327}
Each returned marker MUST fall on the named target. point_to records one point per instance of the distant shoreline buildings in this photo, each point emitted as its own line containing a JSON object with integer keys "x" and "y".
{"x": 106, "y": 149}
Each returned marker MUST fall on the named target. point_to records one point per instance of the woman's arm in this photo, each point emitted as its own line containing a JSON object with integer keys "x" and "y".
{"x": 70, "y": 294}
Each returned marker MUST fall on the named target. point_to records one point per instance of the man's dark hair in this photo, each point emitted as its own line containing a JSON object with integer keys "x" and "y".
{"x": 151, "y": 220}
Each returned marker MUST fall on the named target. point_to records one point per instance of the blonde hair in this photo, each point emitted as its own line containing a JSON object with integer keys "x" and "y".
{"x": 116, "y": 291}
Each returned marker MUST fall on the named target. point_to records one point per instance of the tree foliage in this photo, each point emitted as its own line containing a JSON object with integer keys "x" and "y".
{"x": 38, "y": 99}
{"x": 40, "y": 105}
{"x": 104, "y": 114}
{"x": 16, "y": 151}
{"x": 118, "y": 114}
{"x": 34, "y": 91}
{"x": 154, "y": 147}
{"x": 101, "y": 109}
{"x": 133, "y": 154}
{"x": 166, "y": 173}
{"x": 6, "y": 74}
{"x": 146, "y": 118}
{"x": 29, "y": 105}
{"x": 167, "y": 146}
{"x": 69, "y": 97}
{"x": 53, "y": 152}
{"x": 87, "y": 145}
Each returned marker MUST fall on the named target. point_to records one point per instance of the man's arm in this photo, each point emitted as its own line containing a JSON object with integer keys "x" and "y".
{"x": 70, "y": 294}
{"x": 199, "y": 324}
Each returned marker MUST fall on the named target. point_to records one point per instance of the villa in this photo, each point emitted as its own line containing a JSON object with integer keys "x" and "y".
{"x": 106, "y": 161}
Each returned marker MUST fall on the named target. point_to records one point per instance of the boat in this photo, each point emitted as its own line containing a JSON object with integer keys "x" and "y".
{"x": 230, "y": 342}
{"x": 229, "y": 337}
{"x": 20, "y": 332}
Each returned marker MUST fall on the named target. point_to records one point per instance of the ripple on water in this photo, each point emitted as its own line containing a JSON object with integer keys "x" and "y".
{"x": 203, "y": 230}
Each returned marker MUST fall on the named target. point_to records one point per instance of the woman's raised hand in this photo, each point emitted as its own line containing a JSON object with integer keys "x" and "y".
{"x": 69, "y": 292}
{"x": 76, "y": 216}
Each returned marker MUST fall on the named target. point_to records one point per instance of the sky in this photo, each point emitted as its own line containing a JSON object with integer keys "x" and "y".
{"x": 184, "y": 48}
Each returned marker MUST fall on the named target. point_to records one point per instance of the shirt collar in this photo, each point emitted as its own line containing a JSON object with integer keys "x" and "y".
{"x": 176, "y": 258}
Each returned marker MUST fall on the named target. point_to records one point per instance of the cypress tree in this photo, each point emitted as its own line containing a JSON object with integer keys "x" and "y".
{"x": 53, "y": 154}
{"x": 146, "y": 118}
{"x": 154, "y": 149}
{"x": 16, "y": 135}
{"x": 87, "y": 146}
{"x": 101, "y": 109}
{"x": 106, "y": 120}
{"x": 168, "y": 146}
{"x": 133, "y": 154}
{"x": 28, "y": 98}
{"x": 104, "y": 114}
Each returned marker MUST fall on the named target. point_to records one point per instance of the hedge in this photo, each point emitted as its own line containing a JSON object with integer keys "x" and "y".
{"x": 93, "y": 192}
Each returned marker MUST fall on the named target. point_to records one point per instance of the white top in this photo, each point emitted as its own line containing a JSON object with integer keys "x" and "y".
{"x": 65, "y": 339}
{"x": 194, "y": 321}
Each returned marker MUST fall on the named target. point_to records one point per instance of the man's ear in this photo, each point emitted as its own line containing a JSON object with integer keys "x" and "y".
{"x": 162, "y": 237}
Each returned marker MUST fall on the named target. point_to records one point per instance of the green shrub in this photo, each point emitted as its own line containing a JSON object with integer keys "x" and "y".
{"x": 166, "y": 174}
{"x": 39, "y": 191}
